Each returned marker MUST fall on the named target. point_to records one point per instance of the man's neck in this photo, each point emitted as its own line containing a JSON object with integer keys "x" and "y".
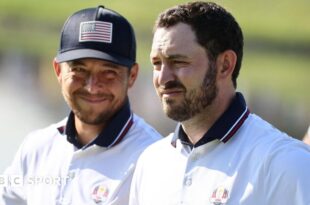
{"x": 86, "y": 132}
{"x": 196, "y": 127}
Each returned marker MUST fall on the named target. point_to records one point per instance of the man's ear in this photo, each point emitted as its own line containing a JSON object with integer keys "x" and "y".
{"x": 57, "y": 69}
{"x": 133, "y": 74}
{"x": 226, "y": 63}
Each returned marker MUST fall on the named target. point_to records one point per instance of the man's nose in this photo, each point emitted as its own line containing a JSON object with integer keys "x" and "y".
{"x": 93, "y": 83}
{"x": 165, "y": 74}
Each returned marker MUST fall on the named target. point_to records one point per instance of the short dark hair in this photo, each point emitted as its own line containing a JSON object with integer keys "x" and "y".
{"x": 215, "y": 28}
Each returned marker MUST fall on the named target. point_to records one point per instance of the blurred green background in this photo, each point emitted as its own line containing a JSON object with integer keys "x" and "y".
{"x": 274, "y": 76}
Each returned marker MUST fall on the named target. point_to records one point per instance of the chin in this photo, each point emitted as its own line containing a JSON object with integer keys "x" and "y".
{"x": 92, "y": 121}
{"x": 92, "y": 118}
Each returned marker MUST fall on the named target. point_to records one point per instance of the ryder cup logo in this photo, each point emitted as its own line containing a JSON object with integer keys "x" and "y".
{"x": 100, "y": 194}
{"x": 219, "y": 196}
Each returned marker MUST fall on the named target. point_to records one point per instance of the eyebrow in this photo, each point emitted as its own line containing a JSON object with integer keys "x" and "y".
{"x": 75, "y": 62}
{"x": 172, "y": 57}
{"x": 176, "y": 56}
{"x": 110, "y": 64}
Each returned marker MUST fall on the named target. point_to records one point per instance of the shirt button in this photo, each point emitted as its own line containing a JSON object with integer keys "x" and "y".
{"x": 188, "y": 181}
{"x": 63, "y": 201}
{"x": 194, "y": 158}
{"x": 71, "y": 175}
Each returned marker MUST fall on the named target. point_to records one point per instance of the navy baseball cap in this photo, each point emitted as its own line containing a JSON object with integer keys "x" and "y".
{"x": 98, "y": 33}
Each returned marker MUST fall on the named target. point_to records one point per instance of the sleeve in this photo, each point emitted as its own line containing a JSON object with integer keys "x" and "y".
{"x": 12, "y": 190}
{"x": 287, "y": 176}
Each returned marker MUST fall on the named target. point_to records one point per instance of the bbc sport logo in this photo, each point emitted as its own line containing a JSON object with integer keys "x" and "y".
{"x": 11, "y": 180}
{"x": 19, "y": 181}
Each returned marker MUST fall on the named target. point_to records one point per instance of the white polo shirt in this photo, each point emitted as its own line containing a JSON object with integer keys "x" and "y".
{"x": 50, "y": 170}
{"x": 250, "y": 163}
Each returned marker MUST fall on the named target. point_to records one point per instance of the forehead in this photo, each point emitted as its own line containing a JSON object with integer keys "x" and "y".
{"x": 178, "y": 39}
{"x": 92, "y": 62}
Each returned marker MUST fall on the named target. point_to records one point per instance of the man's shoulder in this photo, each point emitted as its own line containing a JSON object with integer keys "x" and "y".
{"x": 288, "y": 165}
{"x": 288, "y": 153}
{"x": 140, "y": 136}
{"x": 49, "y": 130}
{"x": 256, "y": 131}
{"x": 280, "y": 151}
{"x": 142, "y": 129}
{"x": 256, "y": 124}
{"x": 43, "y": 137}
{"x": 160, "y": 147}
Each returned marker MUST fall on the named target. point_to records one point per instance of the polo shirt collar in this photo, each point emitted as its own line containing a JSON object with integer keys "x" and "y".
{"x": 111, "y": 135}
{"x": 223, "y": 129}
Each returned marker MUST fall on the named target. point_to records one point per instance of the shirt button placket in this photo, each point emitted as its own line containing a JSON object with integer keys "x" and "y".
{"x": 66, "y": 192}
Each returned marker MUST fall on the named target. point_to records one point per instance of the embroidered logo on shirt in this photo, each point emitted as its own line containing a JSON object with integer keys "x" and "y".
{"x": 100, "y": 194}
{"x": 219, "y": 196}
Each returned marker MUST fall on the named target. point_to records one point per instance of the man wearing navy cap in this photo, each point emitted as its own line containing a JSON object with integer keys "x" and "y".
{"x": 89, "y": 157}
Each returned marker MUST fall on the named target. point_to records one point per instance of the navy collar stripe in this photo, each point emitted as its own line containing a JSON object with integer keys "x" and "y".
{"x": 236, "y": 126}
{"x": 123, "y": 131}
{"x": 112, "y": 134}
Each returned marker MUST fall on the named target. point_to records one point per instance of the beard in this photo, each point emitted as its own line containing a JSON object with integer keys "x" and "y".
{"x": 195, "y": 100}
{"x": 91, "y": 118}
{"x": 88, "y": 114}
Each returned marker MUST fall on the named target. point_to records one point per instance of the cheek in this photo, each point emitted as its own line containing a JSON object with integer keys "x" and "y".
{"x": 191, "y": 78}
{"x": 155, "y": 79}
{"x": 117, "y": 87}
{"x": 71, "y": 78}
{"x": 70, "y": 83}
{"x": 156, "y": 84}
{"x": 119, "y": 83}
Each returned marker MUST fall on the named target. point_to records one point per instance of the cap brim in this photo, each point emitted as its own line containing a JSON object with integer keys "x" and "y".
{"x": 89, "y": 53}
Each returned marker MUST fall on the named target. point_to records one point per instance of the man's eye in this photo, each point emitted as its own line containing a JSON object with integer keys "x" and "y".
{"x": 78, "y": 69}
{"x": 179, "y": 62}
{"x": 110, "y": 73}
{"x": 156, "y": 65}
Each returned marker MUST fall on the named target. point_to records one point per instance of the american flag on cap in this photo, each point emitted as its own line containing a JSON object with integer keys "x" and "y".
{"x": 98, "y": 31}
